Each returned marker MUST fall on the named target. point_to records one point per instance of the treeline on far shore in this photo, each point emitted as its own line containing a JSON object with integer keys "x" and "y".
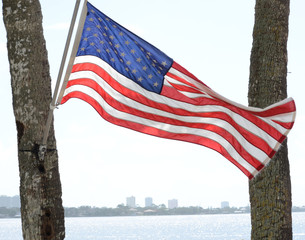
{"x": 121, "y": 210}
{"x": 9, "y": 212}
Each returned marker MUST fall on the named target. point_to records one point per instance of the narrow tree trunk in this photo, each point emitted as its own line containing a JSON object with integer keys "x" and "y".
{"x": 40, "y": 188}
{"x": 270, "y": 192}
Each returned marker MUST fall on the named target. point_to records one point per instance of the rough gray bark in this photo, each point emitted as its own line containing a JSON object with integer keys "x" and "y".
{"x": 270, "y": 192}
{"x": 40, "y": 188}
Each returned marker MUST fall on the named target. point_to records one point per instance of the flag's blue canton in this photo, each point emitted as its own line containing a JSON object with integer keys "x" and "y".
{"x": 124, "y": 51}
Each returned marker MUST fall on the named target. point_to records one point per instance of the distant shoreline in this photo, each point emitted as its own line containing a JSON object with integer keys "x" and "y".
{"x": 122, "y": 211}
{"x": 87, "y": 211}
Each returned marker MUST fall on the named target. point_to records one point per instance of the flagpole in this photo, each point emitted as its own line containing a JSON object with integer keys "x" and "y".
{"x": 73, "y": 52}
{"x": 63, "y": 60}
{"x": 43, "y": 147}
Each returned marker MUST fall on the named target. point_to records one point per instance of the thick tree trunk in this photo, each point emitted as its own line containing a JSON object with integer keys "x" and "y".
{"x": 270, "y": 192}
{"x": 40, "y": 188}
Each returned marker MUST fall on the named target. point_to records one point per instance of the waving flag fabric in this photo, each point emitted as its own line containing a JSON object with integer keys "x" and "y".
{"x": 133, "y": 84}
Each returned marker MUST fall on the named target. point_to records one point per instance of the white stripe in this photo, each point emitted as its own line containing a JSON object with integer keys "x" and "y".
{"x": 194, "y": 95}
{"x": 254, "y": 151}
{"x": 285, "y": 117}
{"x": 178, "y": 104}
{"x": 163, "y": 126}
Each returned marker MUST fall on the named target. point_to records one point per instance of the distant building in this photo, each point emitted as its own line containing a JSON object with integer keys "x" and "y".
{"x": 225, "y": 204}
{"x": 10, "y": 202}
{"x": 148, "y": 202}
{"x": 173, "y": 203}
{"x": 131, "y": 202}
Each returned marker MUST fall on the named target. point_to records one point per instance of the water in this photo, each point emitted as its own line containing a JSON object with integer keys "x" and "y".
{"x": 222, "y": 227}
{"x": 195, "y": 227}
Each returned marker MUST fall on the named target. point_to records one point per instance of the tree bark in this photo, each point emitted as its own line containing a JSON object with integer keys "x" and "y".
{"x": 42, "y": 212}
{"x": 270, "y": 191}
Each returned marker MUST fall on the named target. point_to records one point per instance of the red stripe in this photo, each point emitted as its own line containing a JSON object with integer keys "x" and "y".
{"x": 284, "y": 125}
{"x": 186, "y": 72}
{"x": 185, "y": 88}
{"x": 281, "y": 109}
{"x": 156, "y": 132}
{"x": 171, "y": 75}
{"x": 253, "y": 139}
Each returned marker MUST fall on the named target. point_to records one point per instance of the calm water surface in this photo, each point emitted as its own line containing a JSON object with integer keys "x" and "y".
{"x": 195, "y": 227}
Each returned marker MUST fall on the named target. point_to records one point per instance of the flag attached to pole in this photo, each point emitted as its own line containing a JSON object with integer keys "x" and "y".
{"x": 131, "y": 83}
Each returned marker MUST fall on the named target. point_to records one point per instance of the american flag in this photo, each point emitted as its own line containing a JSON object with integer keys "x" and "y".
{"x": 131, "y": 83}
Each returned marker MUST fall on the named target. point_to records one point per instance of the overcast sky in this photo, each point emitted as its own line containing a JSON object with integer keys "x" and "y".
{"x": 102, "y": 164}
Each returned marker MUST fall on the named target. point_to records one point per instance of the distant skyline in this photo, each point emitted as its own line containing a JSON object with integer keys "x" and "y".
{"x": 100, "y": 164}
{"x": 14, "y": 201}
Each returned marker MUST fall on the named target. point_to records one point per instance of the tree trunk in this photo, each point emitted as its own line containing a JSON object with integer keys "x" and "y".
{"x": 40, "y": 188}
{"x": 270, "y": 191}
